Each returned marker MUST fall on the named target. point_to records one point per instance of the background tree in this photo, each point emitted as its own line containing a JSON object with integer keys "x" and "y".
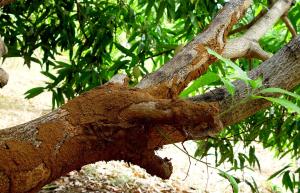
{"x": 103, "y": 38}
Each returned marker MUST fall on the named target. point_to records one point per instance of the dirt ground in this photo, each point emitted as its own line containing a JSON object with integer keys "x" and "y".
{"x": 118, "y": 176}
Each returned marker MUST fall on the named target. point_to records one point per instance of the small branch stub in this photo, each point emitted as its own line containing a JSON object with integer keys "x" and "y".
{"x": 3, "y": 78}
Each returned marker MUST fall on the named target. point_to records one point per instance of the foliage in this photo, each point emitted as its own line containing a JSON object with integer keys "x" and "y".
{"x": 100, "y": 38}
{"x": 258, "y": 130}
{"x": 80, "y": 44}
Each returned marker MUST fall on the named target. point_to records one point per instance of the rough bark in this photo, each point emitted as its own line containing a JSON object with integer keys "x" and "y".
{"x": 247, "y": 45}
{"x": 114, "y": 122}
{"x": 111, "y": 122}
{"x": 282, "y": 71}
{"x": 193, "y": 60}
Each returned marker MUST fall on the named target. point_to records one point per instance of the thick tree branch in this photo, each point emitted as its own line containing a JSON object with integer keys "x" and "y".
{"x": 282, "y": 70}
{"x": 244, "y": 47}
{"x": 193, "y": 60}
{"x": 268, "y": 20}
{"x": 114, "y": 122}
{"x": 247, "y": 45}
{"x": 111, "y": 122}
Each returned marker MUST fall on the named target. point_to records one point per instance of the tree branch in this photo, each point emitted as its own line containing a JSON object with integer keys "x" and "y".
{"x": 268, "y": 21}
{"x": 282, "y": 70}
{"x": 247, "y": 45}
{"x": 193, "y": 60}
{"x": 289, "y": 24}
{"x": 114, "y": 122}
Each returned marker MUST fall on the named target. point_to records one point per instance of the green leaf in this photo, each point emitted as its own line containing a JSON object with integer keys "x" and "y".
{"x": 206, "y": 79}
{"x": 149, "y": 6}
{"x": 240, "y": 73}
{"x": 278, "y": 172}
{"x": 287, "y": 182}
{"x": 124, "y": 50}
{"x": 231, "y": 180}
{"x": 49, "y": 75}
{"x": 256, "y": 83}
{"x": 253, "y": 185}
{"x": 33, "y": 92}
{"x": 281, "y": 91}
{"x": 160, "y": 11}
{"x": 229, "y": 86}
{"x": 283, "y": 102}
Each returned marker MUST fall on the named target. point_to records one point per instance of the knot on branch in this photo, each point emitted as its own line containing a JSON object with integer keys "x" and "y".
{"x": 136, "y": 123}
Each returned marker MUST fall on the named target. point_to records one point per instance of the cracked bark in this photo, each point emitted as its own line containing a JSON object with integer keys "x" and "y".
{"x": 114, "y": 122}
{"x": 111, "y": 122}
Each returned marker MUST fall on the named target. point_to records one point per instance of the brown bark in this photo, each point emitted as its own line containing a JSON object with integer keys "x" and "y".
{"x": 247, "y": 45}
{"x": 193, "y": 60}
{"x": 289, "y": 25}
{"x": 114, "y": 122}
{"x": 282, "y": 71}
{"x": 111, "y": 122}
{"x": 5, "y": 2}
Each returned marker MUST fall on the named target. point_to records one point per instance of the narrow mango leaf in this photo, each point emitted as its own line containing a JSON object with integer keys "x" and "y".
{"x": 281, "y": 91}
{"x": 283, "y": 102}
{"x": 206, "y": 79}
{"x": 287, "y": 181}
{"x": 229, "y": 86}
{"x": 124, "y": 50}
{"x": 33, "y": 92}
{"x": 231, "y": 180}
{"x": 257, "y": 83}
{"x": 240, "y": 73}
{"x": 278, "y": 172}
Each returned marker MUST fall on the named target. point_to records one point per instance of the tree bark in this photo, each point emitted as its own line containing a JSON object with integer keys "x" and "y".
{"x": 111, "y": 122}
{"x": 115, "y": 122}
{"x": 281, "y": 71}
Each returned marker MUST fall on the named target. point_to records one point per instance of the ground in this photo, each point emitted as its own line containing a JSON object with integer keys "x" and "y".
{"x": 118, "y": 176}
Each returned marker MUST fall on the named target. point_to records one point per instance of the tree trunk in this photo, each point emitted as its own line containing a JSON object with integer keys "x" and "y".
{"x": 111, "y": 122}
{"x": 114, "y": 122}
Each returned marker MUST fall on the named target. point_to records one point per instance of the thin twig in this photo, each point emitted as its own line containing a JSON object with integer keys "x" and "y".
{"x": 289, "y": 25}
{"x": 159, "y": 53}
{"x": 190, "y": 163}
{"x": 248, "y": 25}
